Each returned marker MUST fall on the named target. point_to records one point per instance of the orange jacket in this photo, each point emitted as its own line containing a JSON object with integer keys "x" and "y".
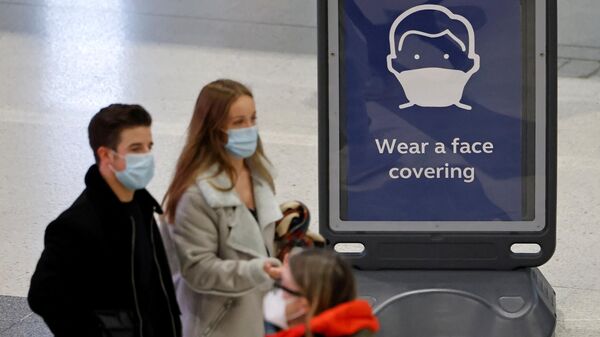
{"x": 345, "y": 319}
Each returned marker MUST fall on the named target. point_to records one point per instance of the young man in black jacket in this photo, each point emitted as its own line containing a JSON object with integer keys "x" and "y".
{"x": 103, "y": 270}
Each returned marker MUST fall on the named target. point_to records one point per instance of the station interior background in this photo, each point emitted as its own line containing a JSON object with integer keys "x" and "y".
{"x": 62, "y": 60}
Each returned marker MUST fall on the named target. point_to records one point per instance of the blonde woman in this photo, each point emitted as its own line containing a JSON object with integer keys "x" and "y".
{"x": 221, "y": 209}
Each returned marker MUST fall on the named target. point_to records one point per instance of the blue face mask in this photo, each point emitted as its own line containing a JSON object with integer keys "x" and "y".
{"x": 242, "y": 142}
{"x": 138, "y": 172}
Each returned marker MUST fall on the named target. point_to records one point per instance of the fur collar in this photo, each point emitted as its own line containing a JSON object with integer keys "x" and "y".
{"x": 267, "y": 206}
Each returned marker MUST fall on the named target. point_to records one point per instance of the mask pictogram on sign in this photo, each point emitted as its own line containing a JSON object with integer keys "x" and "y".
{"x": 432, "y": 55}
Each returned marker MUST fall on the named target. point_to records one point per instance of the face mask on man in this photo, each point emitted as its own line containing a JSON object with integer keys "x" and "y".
{"x": 242, "y": 142}
{"x": 138, "y": 171}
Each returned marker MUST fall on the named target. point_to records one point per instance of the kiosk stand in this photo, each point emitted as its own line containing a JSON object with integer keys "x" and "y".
{"x": 437, "y": 160}
{"x": 460, "y": 303}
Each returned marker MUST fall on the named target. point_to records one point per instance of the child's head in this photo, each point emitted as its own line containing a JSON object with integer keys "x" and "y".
{"x": 320, "y": 280}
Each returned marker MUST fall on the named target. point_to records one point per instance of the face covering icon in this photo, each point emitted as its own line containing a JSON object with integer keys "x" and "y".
{"x": 242, "y": 142}
{"x": 429, "y": 59}
{"x": 138, "y": 171}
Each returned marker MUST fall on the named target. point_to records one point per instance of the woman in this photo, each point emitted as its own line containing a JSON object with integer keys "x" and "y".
{"x": 317, "y": 296}
{"x": 222, "y": 209}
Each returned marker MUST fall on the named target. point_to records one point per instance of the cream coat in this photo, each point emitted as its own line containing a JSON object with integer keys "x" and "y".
{"x": 217, "y": 251}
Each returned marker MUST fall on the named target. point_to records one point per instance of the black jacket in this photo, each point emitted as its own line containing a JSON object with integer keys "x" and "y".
{"x": 91, "y": 266}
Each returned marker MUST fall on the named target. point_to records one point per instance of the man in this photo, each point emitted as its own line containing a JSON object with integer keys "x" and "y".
{"x": 103, "y": 271}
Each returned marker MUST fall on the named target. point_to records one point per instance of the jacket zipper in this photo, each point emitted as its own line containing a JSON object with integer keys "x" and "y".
{"x": 211, "y": 327}
{"x": 162, "y": 284}
{"x": 137, "y": 306}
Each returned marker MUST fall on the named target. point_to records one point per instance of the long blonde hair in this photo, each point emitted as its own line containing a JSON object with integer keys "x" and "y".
{"x": 205, "y": 144}
{"x": 324, "y": 278}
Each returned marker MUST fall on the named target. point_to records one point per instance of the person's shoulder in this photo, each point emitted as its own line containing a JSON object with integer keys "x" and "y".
{"x": 193, "y": 204}
{"x": 76, "y": 219}
{"x": 193, "y": 195}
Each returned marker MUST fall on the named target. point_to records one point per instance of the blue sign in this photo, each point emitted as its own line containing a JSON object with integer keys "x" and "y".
{"x": 432, "y": 113}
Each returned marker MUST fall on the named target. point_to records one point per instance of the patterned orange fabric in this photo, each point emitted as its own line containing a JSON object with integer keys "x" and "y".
{"x": 292, "y": 229}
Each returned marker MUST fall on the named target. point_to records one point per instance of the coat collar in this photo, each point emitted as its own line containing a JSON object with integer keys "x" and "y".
{"x": 267, "y": 207}
{"x": 104, "y": 196}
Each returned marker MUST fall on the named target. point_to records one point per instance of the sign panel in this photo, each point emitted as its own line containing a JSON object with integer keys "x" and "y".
{"x": 433, "y": 112}
{"x": 437, "y": 117}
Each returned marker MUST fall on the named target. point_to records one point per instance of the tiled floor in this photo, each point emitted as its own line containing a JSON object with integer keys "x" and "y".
{"x": 18, "y": 321}
{"x": 60, "y": 61}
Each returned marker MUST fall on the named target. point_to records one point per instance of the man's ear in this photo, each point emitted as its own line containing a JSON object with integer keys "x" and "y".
{"x": 103, "y": 154}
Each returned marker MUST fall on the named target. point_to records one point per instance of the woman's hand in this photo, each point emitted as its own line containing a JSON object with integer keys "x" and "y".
{"x": 274, "y": 271}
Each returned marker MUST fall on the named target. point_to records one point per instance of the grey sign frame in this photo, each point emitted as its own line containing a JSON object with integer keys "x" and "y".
{"x": 439, "y": 246}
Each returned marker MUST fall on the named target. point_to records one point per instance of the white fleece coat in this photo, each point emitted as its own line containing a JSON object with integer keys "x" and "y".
{"x": 217, "y": 251}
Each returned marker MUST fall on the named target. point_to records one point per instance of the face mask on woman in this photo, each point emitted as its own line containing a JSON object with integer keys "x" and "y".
{"x": 242, "y": 142}
{"x": 274, "y": 309}
{"x": 138, "y": 171}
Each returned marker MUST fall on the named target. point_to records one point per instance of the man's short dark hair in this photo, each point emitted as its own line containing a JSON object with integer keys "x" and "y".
{"x": 106, "y": 126}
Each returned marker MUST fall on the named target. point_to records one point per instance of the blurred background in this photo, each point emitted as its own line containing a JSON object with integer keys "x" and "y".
{"x": 62, "y": 60}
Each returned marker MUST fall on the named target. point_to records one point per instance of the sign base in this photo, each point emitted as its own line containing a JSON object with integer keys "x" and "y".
{"x": 470, "y": 303}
